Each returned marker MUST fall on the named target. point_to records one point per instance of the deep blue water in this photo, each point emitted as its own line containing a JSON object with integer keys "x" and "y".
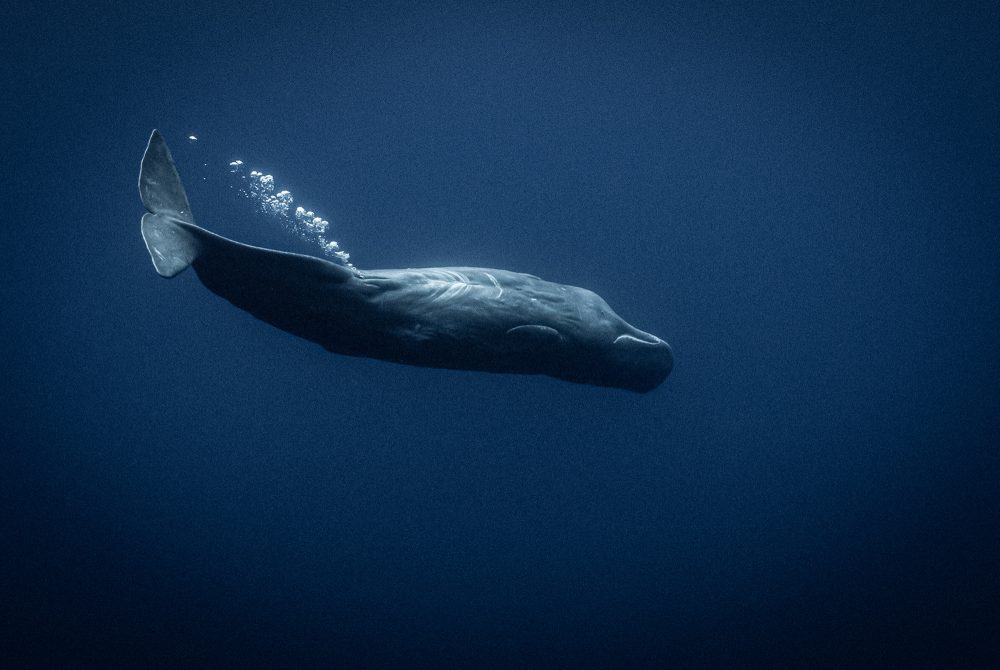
{"x": 802, "y": 199}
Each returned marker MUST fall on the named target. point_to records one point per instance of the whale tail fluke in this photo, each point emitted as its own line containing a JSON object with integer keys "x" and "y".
{"x": 168, "y": 227}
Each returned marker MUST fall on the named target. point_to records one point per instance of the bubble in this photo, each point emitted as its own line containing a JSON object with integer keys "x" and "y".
{"x": 307, "y": 224}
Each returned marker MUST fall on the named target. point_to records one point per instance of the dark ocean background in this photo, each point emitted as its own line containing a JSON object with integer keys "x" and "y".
{"x": 801, "y": 198}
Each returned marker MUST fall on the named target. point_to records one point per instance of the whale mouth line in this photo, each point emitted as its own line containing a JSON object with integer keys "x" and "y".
{"x": 631, "y": 338}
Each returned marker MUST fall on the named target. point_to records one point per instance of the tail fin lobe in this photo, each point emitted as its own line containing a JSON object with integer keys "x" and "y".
{"x": 160, "y": 186}
{"x": 172, "y": 244}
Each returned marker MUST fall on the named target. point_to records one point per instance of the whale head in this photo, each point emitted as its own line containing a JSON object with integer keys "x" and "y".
{"x": 605, "y": 350}
{"x": 633, "y": 360}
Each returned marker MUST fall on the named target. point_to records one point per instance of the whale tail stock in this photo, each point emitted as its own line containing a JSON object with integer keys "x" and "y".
{"x": 168, "y": 227}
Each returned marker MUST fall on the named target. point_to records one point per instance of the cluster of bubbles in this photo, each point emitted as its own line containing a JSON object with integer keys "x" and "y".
{"x": 260, "y": 189}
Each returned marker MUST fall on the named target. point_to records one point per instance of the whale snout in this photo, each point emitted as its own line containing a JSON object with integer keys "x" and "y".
{"x": 643, "y": 361}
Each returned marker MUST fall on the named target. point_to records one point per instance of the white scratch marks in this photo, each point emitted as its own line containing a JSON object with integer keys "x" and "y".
{"x": 497, "y": 284}
{"x": 629, "y": 338}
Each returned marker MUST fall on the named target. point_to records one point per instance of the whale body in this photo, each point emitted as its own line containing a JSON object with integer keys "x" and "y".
{"x": 460, "y": 318}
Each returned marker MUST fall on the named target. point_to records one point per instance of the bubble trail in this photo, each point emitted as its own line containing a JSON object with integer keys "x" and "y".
{"x": 260, "y": 189}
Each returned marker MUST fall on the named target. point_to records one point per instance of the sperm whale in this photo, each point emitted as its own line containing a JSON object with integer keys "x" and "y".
{"x": 462, "y": 318}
